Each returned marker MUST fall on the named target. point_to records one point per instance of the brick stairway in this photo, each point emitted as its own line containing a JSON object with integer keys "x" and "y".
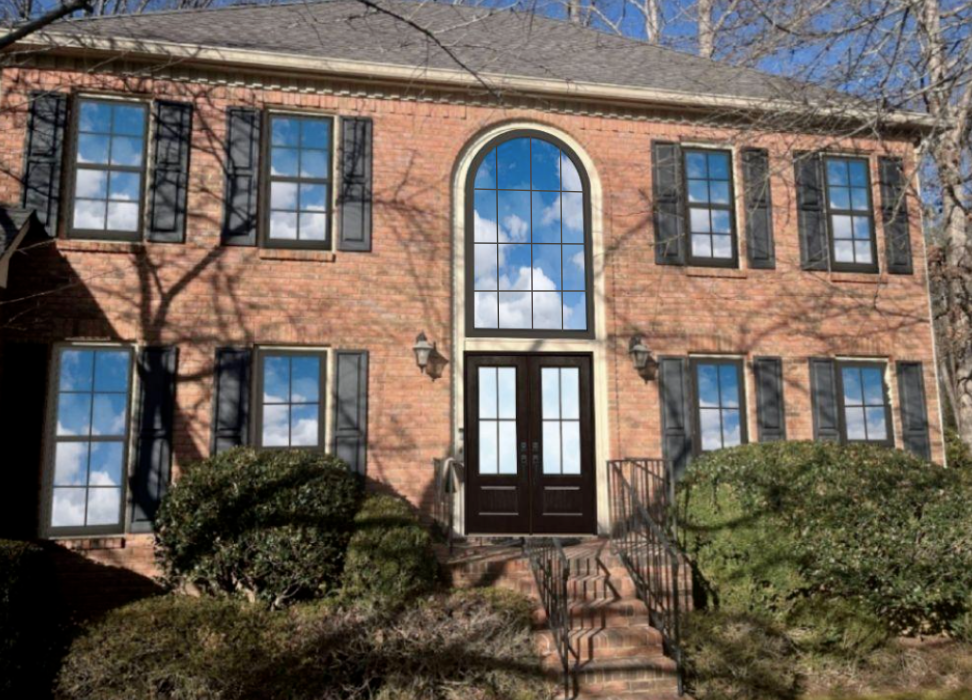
{"x": 616, "y": 653}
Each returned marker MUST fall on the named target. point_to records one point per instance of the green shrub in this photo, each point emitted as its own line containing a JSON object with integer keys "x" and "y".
{"x": 786, "y": 529}
{"x": 28, "y": 621}
{"x": 957, "y": 453}
{"x": 390, "y": 558}
{"x": 181, "y": 648}
{"x": 731, "y": 656}
{"x": 271, "y": 525}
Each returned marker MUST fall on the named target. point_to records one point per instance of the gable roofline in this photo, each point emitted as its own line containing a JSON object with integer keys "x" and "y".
{"x": 271, "y": 62}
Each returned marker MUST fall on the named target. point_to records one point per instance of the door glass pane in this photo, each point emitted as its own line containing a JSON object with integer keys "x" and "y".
{"x": 487, "y": 392}
{"x": 506, "y": 381}
{"x": 550, "y": 389}
{"x": 551, "y": 447}
{"x": 507, "y": 447}
{"x": 571, "y": 447}
{"x": 487, "y": 447}
{"x": 570, "y": 392}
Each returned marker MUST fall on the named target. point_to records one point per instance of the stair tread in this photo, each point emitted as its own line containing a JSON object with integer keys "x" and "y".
{"x": 658, "y": 662}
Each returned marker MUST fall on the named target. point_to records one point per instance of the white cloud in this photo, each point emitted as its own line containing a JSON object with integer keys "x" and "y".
{"x": 68, "y": 507}
{"x": 569, "y": 177}
{"x": 69, "y": 463}
{"x": 484, "y": 229}
{"x": 514, "y": 229}
{"x": 103, "y": 506}
{"x": 305, "y": 433}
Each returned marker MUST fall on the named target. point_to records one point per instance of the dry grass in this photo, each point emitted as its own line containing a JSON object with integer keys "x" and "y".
{"x": 931, "y": 669}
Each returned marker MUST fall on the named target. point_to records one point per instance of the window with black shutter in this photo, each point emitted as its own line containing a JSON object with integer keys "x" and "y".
{"x": 709, "y": 203}
{"x": 719, "y": 403}
{"x": 299, "y": 181}
{"x": 850, "y": 219}
{"x": 109, "y": 169}
{"x": 88, "y": 448}
{"x": 865, "y": 408}
{"x": 290, "y": 399}
{"x": 125, "y": 185}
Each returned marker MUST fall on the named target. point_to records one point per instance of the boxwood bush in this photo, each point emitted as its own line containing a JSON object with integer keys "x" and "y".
{"x": 268, "y": 525}
{"x": 847, "y": 542}
{"x": 390, "y": 558}
{"x": 29, "y": 620}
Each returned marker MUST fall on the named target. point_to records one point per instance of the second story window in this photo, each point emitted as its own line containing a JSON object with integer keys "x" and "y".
{"x": 849, "y": 215}
{"x": 712, "y": 232}
{"x": 300, "y": 182}
{"x": 110, "y": 170}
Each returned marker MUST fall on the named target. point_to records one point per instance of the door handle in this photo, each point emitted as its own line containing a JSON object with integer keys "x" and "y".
{"x": 536, "y": 455}
{"x": 523, "y": 455}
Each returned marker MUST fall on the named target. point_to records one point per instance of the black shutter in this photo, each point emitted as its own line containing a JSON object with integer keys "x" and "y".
{"x": 23, "y": 390}
{"x": 242, "y": 176}
{"x": 770, "y": 411}
{"x": 666, "y": 169}
{"x": 759, "y": 211}
{"x": 894, "y": 214}
{"x": 811, "y": 216}
{"x": 44, "y": 156}
{"x": 673, "y": 385}
{"x": 351, "y": 408}
{"x": 153, "y": 439}
{"x": 823, "y": 396}
{"x": 170, "y": 172}
{"x": 231, "y": 403}
{"x": 914, "y": 416}
{"x": 355, "y": 199}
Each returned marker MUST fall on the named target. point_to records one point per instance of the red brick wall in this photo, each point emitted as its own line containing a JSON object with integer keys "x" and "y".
{"x": 200, "y": 295}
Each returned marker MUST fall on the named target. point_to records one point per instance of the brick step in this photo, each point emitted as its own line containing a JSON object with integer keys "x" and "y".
{"x": 627, "y": 677}
{"x": 639, "y": 640}
{"x": 617, "y": 612}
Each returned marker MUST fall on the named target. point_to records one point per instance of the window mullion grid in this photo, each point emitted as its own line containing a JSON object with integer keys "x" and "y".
{"x": 530, "y": 195}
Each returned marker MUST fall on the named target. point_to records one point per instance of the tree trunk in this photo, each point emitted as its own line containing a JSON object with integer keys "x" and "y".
{"x": 705, "y": 8}
{"x": 652, "y": 22}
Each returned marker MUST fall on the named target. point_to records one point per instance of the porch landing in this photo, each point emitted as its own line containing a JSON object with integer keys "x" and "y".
{"x": 615, "y": 653}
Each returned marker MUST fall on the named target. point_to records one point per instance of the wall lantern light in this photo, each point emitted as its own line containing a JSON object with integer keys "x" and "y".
{"x": 644, "y": 363}
{"x": 423, "y": 350}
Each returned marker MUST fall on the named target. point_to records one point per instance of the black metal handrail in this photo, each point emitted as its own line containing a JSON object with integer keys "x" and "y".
{"x": 447, "y": 483}
{"x": 643, "y": 538}
{"x": 551, "y": 570}
{"x": 653, "y": 481}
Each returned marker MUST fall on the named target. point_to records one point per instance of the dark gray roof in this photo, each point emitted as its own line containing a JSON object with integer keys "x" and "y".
{"x": 484, "y": 40}
{"x": 12, "y": 221}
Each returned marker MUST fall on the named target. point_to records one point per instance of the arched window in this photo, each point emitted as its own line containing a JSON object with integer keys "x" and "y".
{"x": 528, "y": 240}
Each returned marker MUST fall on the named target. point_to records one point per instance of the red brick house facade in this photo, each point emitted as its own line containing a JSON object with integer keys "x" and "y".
{"x": 187, "y": 269}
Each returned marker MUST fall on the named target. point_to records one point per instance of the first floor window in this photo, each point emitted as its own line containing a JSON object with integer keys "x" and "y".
{"x": 866, "y": 408}
{"x": 291, "y": 399}
{"x": 109, "y": 169}
{"x": 719, "y": 403}
{"x": 90, "y": 439}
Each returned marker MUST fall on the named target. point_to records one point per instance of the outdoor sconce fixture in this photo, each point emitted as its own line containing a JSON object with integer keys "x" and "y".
{"x": 644, "y": 363}
{"x": 427, "y": 358}
{"x": 423, "y": 351}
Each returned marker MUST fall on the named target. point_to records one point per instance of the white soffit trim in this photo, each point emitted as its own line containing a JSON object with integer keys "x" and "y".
{"x": 290, "y": 63}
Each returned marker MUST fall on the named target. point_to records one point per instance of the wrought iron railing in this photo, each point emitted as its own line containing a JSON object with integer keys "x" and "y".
{"x": 551, "y": 570}
{"x": 653, "y": 482}
{"x": 448, "y": 484}
{"x": 643, "y": 537}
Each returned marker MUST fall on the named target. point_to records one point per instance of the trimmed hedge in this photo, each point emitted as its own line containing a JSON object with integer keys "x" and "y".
{"x": 270, "y": 526}
{"x": 850, "y": 543}
{"x": 29, "y": 630}
{"x": 467, "y": 645}
{"x": 390, "y": 558}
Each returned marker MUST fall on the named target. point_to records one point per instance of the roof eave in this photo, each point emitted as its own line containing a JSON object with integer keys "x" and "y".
{"x": 269, "y": 61}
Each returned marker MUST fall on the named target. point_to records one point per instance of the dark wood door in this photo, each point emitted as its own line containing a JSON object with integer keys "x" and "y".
{"x": 529, "y": 444}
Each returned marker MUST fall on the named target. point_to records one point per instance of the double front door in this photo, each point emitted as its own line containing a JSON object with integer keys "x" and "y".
{"x": 529, "y": 444}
